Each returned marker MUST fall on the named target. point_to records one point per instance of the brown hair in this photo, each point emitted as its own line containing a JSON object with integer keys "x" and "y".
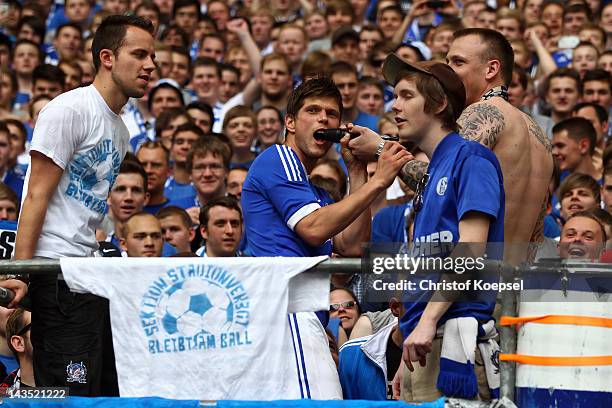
{"x": 577, "y": 129}
{"x": 436, "y": 96}
{"x": 212, "y": 145}
{"x": 315, "y": 64}
{"x": 593, "y": 215}
{"x": 152, "y": 145}
{"x": 274, "y": 56}
{"x": 14, "y": 324}
{"x": 496, "y": 47}
{"x": 167, "y": 116}
{"x": 7, "y": 193}
{"x": 174, "y": 210}
{"x": 342, "y": 6}
{"x": 238, "y": 112}
{"x": 227, "y": 202}
{"x": 576, "y": 180}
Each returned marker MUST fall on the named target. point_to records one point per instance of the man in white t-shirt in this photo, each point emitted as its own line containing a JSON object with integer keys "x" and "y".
{"x": 78, "y": 144}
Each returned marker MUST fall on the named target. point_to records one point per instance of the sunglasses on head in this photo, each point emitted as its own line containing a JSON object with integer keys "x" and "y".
{"x": 25, "y": 329}
{"x": 336, "y": 306}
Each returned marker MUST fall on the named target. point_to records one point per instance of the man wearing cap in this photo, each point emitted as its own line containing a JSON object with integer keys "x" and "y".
{"x": 451, "y": 208}
{"x": 345, "y": 45}
{"x": 483, "y": 59}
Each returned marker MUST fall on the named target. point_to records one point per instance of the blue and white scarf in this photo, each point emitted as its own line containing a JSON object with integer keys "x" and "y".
{"x": 461, "y": 336}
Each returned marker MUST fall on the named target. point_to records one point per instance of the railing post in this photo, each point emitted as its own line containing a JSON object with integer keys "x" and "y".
{"x": 508, "y": 337}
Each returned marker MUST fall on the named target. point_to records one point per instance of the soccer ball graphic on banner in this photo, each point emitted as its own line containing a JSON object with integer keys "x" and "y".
{"x": 196, "y": 306}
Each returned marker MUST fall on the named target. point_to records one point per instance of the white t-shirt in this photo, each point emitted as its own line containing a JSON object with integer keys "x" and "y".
{"x": 213, "y": 328}
{"x": 79, "y": 132}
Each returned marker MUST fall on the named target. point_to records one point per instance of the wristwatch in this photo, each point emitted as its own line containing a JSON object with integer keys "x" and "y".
{"x": 381, "y": 145}
{"x": 380, "y": 148}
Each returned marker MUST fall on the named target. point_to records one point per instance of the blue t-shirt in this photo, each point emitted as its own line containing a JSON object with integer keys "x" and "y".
{"x": 367, "y": 120}
{"x": 276, "y": 195}
{"x": 173, "y": 190}
{"x": 463, "y": 176}
{"x": 389, "y": 224}
{"x": 246, "y": 165}
{"x": 154, "y": 208}
{"x": 14, "y": 180}
{"x": 185, "y": 202}
{"x": 9, "y": 362}
{"x": 551, "y": 226}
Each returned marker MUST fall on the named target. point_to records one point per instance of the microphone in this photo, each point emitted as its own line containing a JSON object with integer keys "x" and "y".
{"x": 332, "y": 135}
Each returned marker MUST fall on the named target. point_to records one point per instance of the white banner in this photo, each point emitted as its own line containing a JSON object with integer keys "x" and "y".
{"x": 203, "y": 328}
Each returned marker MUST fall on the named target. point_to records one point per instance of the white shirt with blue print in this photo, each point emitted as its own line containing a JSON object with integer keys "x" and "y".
{"x": 80, "y": 133}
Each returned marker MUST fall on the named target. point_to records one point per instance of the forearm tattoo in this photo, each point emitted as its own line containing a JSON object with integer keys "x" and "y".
{"x": 538, "y": 231}
{"x": 535, "y": 130}
{"x": 413, "y": 172}
{"x": 482, "y": 122}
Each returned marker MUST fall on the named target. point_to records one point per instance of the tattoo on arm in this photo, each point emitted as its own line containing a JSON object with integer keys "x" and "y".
{"x": 413, "y": 172}
{"x": 538, "y": 231}
{"x": 482, "y": 122}
{"x": 535, "y": 130}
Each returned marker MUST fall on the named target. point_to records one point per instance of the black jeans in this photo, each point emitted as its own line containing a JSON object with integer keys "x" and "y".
{"x": 71, "y": 338}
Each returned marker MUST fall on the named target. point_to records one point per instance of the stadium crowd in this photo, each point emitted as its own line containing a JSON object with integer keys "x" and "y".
{"x": 220, "y": 95}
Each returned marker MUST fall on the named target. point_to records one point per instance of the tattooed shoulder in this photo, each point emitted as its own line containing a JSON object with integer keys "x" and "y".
{"x": 482, "y": 122}
{"x": 535, "y": 130}
{"x": 413, "y": 172}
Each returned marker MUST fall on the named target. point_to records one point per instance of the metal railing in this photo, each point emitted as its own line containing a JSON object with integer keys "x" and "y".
{"x": 354, "y": 265}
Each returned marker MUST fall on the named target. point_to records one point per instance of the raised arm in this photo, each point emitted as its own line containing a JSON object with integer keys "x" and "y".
{"x": 419, "y": 8}
{"x": 331, "y": 220}
{"x": 239, "y": 27}
{"x": 364, "y": 147}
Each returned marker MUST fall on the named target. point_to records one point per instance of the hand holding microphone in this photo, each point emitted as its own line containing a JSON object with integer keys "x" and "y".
{"x": 335, "y": 135}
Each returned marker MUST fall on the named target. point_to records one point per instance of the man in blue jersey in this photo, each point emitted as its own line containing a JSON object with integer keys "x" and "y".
{"x": 463, "y": 201}
{"x": 284, "y": 215}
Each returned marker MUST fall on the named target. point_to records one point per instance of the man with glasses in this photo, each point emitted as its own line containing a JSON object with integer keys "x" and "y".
{"x": 18, "y": 339}
{"x": 208, "y": 163}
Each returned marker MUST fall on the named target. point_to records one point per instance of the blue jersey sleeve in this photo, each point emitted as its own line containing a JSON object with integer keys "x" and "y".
{"x": 479, "y": 187}
{"x": 285, "y": 184}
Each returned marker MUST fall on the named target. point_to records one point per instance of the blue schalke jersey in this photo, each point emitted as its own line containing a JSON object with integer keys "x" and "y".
{"x": 463, "y": 176}
{"x": 276, "y": 195}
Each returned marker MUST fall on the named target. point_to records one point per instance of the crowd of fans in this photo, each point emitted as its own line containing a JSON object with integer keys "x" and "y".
{"x": 225, "y": 70}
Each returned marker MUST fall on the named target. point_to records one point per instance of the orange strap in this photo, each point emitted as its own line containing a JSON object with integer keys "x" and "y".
{"x": 557, "y": 361}
{"x": 558, "y": 319}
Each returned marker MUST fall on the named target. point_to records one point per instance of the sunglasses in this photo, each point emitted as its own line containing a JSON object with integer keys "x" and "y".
{"x": 336, "y": 306}
{"x": 418, "y": 198}
{"x": 25, "y": 329}
{"x": 376, "y": 63}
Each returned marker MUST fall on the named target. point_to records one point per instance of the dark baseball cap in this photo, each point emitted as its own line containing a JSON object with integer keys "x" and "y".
{"x": 342, "y": 33}
{"x": 450, "y": 81}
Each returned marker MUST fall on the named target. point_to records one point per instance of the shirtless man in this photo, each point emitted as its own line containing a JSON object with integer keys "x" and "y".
{"x": 483, "y": 59}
